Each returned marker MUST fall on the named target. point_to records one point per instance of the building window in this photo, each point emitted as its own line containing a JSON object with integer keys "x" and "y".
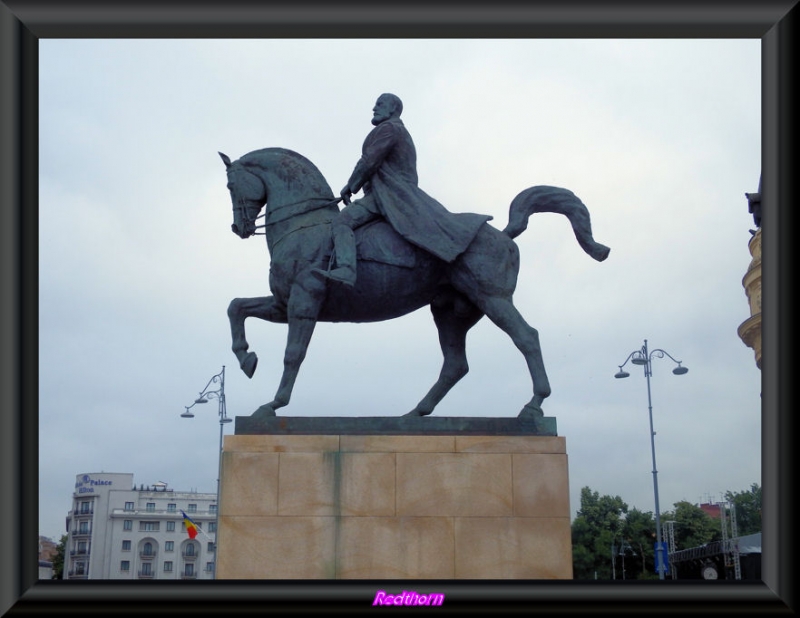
{"x": 170, "y": 526}
{"x": 171, "y": 508}
{"x": 84, "y": 508}
{"x": 147, "y": 549}
{"x": 151, "y": 507}
{"x": 80, "y": 568}
{"x": 210, "y": 546}
{"x": 84, "y": 527}
{"x": 82, "y": 547}
{"x": 189, "y": 569}
{"x": 190, "y": 549}
{"x": 169, "y": 546}
{"x": 127, "y": 524}
{"x": 125, "y": 565}
{"x": 192, "y": 508}
{"x": 212, "y": 508}
{"x": 168, "y": 567}
{"x": 212, "y": 526}
{"x": 210, "y": 567}
{"x": 148, "y": 526}
{"x": 129, "y": 506}
{"x": 126, "y": 545}
{"x": 147, "y": 569}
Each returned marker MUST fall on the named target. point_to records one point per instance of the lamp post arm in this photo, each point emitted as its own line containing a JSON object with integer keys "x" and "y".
{"x": 219, "y": 394}
{"x": 631, "y": 355}
{"x": 220, "y": 377}
{"x": 662, "y": 353}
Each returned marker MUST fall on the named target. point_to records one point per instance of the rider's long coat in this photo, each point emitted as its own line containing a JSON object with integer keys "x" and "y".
{"x": 387, "y": 171}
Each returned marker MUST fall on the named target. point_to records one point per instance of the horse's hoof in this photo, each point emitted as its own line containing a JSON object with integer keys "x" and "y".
{"x": 417, "y": 412}
{"x": 264, "y": 411}
{"x": 249, "y": 364}
{"x": 531, "y": 411}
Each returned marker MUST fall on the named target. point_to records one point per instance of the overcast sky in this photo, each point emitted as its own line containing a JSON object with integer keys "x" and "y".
{"x": 659, "y": 138}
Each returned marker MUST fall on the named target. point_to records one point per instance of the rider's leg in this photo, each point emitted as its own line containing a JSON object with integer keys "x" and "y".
{"x": 344, "y": 240}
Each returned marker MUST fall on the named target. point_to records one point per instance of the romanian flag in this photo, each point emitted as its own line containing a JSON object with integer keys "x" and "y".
{"x": 191, "y": 527}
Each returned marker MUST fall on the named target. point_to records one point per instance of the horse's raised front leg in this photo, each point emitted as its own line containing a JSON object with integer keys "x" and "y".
{"x": 452, "y": 322}
{"x": 263, "y": 307}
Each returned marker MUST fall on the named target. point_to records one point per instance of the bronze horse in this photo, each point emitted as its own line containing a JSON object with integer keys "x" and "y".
{"x": 395, "y": 277}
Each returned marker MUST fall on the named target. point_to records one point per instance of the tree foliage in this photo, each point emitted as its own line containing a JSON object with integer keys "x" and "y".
{"x": 596, "y": 525}
{"x": 640, "y": 528}
{"x": 748, "y": 509}
{"x": 608, "y": 539}
{"x": 58, "y": 558}
{"x": 693, "y": 526}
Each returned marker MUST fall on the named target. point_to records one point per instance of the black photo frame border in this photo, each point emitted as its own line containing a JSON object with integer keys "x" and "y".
{"x": 23, "y": 23}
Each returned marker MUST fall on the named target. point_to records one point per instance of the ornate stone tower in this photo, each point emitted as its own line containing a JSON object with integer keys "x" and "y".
{"x": 750, "y": 329}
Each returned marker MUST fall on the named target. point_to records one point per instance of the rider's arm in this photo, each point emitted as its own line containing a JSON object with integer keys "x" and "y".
{"x": 377, "y": 146}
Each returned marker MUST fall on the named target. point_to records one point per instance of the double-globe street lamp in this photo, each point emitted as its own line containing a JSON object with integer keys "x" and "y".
{"x": 644, "y": 358}
{"x": 203, "y": 397}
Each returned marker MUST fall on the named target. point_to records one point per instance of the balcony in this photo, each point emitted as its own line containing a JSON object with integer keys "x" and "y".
{"x": 78, "y": 552}
{"x": 147, "y": 555}
{"x": 74, "y": 575}
{"x": 188, "y": 575}
{"x": 146, "y": 575}
{"x": 189, "y": 556}
{"x": 82, "y": 532}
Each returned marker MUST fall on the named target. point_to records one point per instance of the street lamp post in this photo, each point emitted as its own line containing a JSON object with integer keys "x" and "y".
{"x": 203, "y": 397}
{"x": 644, "y": 358}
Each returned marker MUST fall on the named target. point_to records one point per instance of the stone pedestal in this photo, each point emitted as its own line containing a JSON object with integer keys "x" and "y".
{"x": 377, "y": 506}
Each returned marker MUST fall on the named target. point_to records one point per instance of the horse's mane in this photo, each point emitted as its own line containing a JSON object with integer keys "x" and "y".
{"x": 264, "y": 156}
{"x": 298, "y": 187}
{"x": 282, "y": 160}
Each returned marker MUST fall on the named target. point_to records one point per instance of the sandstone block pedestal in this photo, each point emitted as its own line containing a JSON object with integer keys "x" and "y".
{"x": 378, "y": 506}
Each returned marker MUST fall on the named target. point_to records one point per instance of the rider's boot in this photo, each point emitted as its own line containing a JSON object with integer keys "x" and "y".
{"x": 344, "y": 242}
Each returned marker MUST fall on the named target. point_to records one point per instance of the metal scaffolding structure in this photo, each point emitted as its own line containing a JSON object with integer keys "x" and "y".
{"x": 730, "y": 542}
{"x": 728, "y": 547}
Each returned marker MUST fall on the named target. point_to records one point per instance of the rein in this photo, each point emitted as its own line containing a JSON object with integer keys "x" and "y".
{"x": 327, "y": 203}
{"x": 241, "y": 207}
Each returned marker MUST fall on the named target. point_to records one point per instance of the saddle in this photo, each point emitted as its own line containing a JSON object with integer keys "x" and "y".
{"x": 377, "y": 241}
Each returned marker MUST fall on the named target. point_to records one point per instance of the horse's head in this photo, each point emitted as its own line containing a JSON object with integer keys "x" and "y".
{"x": 248, "y": 196}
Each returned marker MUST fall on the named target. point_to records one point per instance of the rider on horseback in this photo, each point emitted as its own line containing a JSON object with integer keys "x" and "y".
{"x": 387, "y": 172}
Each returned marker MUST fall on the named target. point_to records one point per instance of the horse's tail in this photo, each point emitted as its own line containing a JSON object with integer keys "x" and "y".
{"x": 562, "y": 201}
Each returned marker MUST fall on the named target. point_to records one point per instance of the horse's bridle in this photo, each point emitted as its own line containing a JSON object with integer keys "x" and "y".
{"x": 240, "y": 206}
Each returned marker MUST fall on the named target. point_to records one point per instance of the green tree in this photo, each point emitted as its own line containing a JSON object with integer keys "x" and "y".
{"x": 58, "y": 559}
{"x": 640, "y": 534}
{"x": 603, "y": 526}
{"x": 693, "y": 526}
{"x": 598, "y": 522}
{"x": 748, "y": 509}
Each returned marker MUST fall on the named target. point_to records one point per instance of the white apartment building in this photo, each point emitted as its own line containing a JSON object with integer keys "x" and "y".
{"x": 119, "y": 531}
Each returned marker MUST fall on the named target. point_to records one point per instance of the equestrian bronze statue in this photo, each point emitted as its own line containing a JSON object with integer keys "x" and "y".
{"x": 395, "y": 276}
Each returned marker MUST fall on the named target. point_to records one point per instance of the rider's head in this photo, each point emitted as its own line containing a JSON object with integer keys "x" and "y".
{"x": 387, "y": 106}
